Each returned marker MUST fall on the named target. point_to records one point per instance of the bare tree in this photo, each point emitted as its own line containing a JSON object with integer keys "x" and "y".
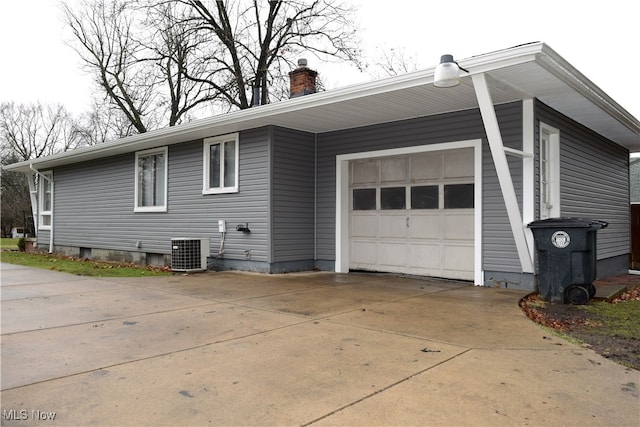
{"x": 29, "y": 131}
{"x": 15, "y": 204}
{"x": 161, "y": 61}
{"x": 259, "y": 42}
{"x": 392, "y": 62}
{"x": 175, "y": 47}
{"x": 111, "y": 50}
{"x": 103, "y": 122}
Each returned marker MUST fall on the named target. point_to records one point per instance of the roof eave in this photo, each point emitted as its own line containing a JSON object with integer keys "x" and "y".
{"x": 263, "y": 115}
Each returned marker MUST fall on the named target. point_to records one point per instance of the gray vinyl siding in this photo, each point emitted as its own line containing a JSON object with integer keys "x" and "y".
{"x": 94, "y": 203}
{"x": 43, "y": 238}
{"x": 499, "y": 246}
{"x": 594, "y": 180}
{"x": 634, "y": 179}
{"x": 293, "y": 195}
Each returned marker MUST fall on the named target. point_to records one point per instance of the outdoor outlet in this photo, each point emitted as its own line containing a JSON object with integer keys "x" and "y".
{"x": 247, "y": 253}
{"x": 222, "y": 226}
{"x": 138, "y": 244}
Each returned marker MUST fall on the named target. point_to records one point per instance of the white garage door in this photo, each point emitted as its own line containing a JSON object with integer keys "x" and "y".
{"x": 413, "y": 214}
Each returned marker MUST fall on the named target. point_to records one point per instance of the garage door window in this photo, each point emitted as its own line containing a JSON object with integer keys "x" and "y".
{"x": 393, "y": 198}
{"x": 424, "y": 197}
{"x": 458, "y": 196}
{"x": 364, "y": 199}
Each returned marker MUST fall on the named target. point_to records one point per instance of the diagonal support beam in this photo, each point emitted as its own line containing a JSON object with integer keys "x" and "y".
{"x": 502, "y": 168}
{"x": 33, "y": 198}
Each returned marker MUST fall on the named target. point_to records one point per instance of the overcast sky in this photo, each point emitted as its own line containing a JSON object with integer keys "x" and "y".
{"x": 599, "y": 38}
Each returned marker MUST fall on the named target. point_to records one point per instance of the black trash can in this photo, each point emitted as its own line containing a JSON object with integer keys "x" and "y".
{"x": 566, "y": 258}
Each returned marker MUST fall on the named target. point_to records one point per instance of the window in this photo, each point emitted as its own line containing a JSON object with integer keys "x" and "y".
{"x": 45, "y": 197}
{"x": 151, "y": 181}
{"x": 393, "y": 198}
{"x": 458, "y": 196}
{"x": 549, "y": 172}
{"x": 220, "y": 165}
{"x": 364, "y": 199}
{"x": 424, "y": 197}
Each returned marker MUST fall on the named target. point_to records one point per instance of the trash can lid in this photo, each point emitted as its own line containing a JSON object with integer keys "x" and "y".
{"x": 567, "y": 222}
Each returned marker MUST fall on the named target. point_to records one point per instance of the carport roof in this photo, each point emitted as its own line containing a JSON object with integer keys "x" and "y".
{"x": 527, "y": 71}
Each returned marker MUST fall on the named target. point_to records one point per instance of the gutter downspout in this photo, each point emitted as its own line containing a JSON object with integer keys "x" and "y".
{"x": 315, "y": 199}
{"x": 43, "y": 176}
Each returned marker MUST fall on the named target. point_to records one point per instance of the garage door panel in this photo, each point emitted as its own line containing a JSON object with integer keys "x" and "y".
{"x": 364, "y": 225}
{"x": 458, "y": 164}
{"x": 458, "y": 258}
{"x": 392, "y": 254}
{"x": 364, "y": 252}
{"x": 393, "y": 169}
{"x": 425, "y": 256}
{"x": 425, "y": 226}
{"x": 393, "y": 226}
{"x": 458, "y": 226}
{"x": 364, "y": 171}
{"x": 425, "y": 166}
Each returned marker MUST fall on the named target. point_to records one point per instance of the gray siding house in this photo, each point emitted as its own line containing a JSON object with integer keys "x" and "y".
{"x": 395, "y": 175}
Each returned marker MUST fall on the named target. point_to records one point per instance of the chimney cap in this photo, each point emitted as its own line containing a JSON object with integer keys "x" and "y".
{"x": 302, "y": 62}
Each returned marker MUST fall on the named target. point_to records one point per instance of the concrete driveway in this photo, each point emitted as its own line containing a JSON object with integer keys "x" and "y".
{"x": 299, "y": 349}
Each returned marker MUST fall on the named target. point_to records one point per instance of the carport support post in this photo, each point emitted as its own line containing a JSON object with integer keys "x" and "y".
{"x": 496, "y": 146}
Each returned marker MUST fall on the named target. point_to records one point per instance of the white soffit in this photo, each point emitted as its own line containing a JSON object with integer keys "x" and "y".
{"x": 570, "y": 94}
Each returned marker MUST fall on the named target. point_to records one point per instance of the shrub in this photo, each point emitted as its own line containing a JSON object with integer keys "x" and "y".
{"x": 21, "y": 244}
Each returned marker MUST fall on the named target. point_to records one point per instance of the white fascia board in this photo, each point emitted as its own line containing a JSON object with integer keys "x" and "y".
{"x": 502, "y": 59}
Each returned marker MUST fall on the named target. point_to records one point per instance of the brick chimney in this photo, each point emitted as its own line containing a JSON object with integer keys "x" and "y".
{"x": 302, "y": 80}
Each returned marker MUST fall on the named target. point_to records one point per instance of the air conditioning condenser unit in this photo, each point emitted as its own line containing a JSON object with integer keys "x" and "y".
{"x": 189, "y": 254}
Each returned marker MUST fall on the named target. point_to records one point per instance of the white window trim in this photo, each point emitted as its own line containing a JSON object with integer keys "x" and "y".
{"x": 208, "y": 142}
{"x": 553, "y": 160}
{"x": 45, "y": 176}
{"x": 162, "y": 208}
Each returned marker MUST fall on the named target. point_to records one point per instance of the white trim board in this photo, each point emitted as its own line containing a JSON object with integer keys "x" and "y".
{"x": 501, "y": 165}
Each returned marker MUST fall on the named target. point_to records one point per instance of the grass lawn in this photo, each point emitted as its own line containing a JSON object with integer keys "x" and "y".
{"x": 78, "y": 266}
{"x": 622, "y": 319}
{"x": 8, "y": 244}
